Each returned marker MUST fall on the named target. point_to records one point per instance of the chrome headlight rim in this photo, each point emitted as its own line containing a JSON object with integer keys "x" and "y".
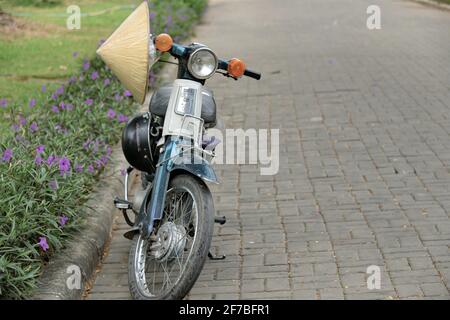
{"x": 189, "y": 64}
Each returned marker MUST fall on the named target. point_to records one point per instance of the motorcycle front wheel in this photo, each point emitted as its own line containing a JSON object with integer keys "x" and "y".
{"x": 167, "y": 265}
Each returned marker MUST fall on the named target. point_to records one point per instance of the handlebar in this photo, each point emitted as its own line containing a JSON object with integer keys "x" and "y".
{"x": 235, "y": 68}
{"x": 223, "y": 65}
{"x": 252, "y": 74}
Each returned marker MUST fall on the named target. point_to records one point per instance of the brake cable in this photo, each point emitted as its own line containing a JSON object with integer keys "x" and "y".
{"x": 226, "y": 74}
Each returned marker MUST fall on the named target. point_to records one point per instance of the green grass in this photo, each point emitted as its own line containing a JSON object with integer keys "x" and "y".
{"x": 27, "y": 60}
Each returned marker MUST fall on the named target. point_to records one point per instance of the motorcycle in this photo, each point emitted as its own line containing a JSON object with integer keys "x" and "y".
{"x": 174, "y": 214}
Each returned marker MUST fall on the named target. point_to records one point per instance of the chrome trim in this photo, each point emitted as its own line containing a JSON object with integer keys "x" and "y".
{"x": 149, "y": 118}
{"x": 126, "y": 186}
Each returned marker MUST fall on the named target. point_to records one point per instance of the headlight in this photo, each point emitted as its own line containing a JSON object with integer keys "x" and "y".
{"x": 202, "y": 63}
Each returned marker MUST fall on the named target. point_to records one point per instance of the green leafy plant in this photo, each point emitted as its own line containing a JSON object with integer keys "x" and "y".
{"x": 55, "y": 152}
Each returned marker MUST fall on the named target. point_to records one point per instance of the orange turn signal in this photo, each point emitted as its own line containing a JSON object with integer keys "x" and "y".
{"x": 236, "y": 68}
{"x": 163, "y": 42}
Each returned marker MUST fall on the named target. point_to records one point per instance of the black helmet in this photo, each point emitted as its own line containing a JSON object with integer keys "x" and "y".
{"x": 137, "y": 143}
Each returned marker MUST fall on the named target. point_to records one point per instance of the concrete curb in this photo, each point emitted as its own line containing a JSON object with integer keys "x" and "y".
{"x": 433, "y": 3}
{"x": 86, "y": 248}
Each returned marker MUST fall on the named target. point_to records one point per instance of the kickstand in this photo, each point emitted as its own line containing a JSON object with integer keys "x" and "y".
{"x": 214, "y": 257}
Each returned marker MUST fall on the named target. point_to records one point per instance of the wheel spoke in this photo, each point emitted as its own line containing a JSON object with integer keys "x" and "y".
{"x": 163, "y": 263}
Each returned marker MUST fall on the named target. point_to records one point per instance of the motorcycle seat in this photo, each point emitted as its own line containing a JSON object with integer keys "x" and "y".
{"x": 160, "y": 101}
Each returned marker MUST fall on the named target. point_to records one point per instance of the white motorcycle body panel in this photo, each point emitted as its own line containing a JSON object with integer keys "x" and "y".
{"x": 183, "y": 115}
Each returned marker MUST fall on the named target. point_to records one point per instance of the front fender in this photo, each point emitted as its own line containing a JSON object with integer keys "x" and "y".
{"x": 193, "y": 164}
{"x": 173, "y": 159}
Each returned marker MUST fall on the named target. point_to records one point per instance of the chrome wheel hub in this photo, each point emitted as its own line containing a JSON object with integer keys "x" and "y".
{"x": 170, "y": 242}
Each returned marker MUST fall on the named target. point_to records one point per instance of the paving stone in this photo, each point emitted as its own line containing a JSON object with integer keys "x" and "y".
{"x": 434, "y": 289}
{"x": 409, "y": 290}
{"x": 363, "y": 174}
{"x": 277, "y": 284}
{"x": 252, "y": 285}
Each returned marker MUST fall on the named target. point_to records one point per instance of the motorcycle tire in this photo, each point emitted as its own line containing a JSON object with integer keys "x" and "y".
{"x": 168, "y": 251}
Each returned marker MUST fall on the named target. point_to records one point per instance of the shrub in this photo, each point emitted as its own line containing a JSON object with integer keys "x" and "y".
{"x": 36, "y": 3}
{"x": 51, "y": 158}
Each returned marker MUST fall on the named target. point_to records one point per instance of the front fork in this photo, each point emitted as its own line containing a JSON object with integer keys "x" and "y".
{"x": 159, "y": 189}
{"x": 147, "y": 215}
{"x": 172, "y": 157}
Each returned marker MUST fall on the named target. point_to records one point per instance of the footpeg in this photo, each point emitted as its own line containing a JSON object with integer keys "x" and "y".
{"x": 214, "y": 257}
{"x": 220, "y": 220}
{"x": 123, "y": 204}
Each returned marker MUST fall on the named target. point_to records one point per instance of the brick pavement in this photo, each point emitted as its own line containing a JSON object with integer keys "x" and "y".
{"x": 364, "y": 146}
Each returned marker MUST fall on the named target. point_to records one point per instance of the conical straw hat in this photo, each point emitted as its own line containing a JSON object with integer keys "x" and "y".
{"x": 125, "y": 52}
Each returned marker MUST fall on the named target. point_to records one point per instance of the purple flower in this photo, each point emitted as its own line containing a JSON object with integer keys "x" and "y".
{"x": 15, "y": 127}
{"x": 34, "y": 127}
{"x": 54, "y": 96}
{"x": 73, "y": 79}
{"x": 50, "y": 160}
{"x": 122, "y": 118}
{"x": 75, "y": 54}
{"x": 38, "y": 160}
{"x": 69, "y": 106}
{"x": 63, "y": 220}
{"x": 169, "y": 21}
{"x": 64, "y": 165}
{"x": 127, "y": 93}
{"x": 53, "y": 184}
{"x": 40, "y": 149}
{"x": 43, "y": 243}
{"x": 60, "y": 90}
{"x": 91, "y": 168}
{"x": 95, "y": 148}
{"x": 98, "y": 164}
{"x": 32, "y": 103}
{"x": 3, "y": 103}
{"x": 104, "y": 160}
{"x": 94, "y": 75}
{"x": 118, "y": 97}
{"x": 89, "y": 102}
{"x": 106, "y": 82}
{"x": 55, "y": 109}
{"x": 111, "y": 113}
{"x": 86, "y": 65}
{"x": 152, "y": 15}
{"x": 43, "y": 88}
{"x": 62, "y": 105}
{"x": 22, "y": 121}
{"x": 78, "y": 168}
{"x": 7, "y": 155}
{"x": 86, "y": 144}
